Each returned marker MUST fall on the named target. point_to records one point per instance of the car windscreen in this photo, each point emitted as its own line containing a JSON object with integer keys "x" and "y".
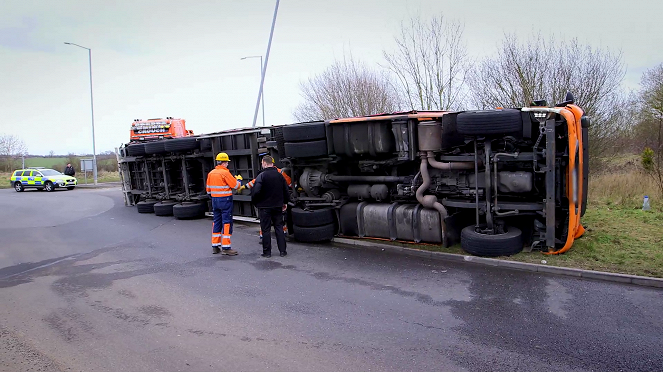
{"x": 50, "y": 172}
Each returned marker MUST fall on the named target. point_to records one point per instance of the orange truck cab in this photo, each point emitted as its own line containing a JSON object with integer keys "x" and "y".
{"x": 157, "y": 129}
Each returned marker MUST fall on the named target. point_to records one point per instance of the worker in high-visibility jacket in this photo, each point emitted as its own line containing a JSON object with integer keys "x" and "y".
{"x": 288, "y": 181}
{"x": 220, "y": 186}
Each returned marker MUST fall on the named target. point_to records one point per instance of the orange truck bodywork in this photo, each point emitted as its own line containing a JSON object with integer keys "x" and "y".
{"x": 156, "y": 129}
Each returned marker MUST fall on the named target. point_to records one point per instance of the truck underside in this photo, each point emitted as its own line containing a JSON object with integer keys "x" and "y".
{"x": 497, "y": 181}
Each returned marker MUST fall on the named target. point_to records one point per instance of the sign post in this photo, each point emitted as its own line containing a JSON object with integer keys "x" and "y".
{"x": 87, "y": 165}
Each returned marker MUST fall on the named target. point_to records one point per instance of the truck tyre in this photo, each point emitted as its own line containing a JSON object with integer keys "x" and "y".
{"x": 136, "y": 149}
{"x": 156, "y": 147}
{"x": 314, "y": 234}
{"x": 312, "y": 218}
{"x": 478, "y": 244}
{"x": 181, "y": 144}
{"x": 164, "y": 208}
{"x": 145, "y": 206}
{"x": 489, "y": 122}
{"x": 304, "y": 132}
{"x": 187, "y": 210}
{"x": 306, "y": 149}
{"x": 348, "y": 222}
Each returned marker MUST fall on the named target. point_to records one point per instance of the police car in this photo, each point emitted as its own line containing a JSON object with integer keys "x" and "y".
{"x": 41, "y": 179}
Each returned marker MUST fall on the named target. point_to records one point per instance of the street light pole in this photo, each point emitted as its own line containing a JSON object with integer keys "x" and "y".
{"x": 264, "y": 68}
{"x": 263, "y": 96}
{"x": 94, "y": 149}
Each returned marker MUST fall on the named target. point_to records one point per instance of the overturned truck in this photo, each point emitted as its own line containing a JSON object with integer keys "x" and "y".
{"x": 495, "y": 181}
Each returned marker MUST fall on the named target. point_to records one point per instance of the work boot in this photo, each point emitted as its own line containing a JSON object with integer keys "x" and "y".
{"x": 216, "y": 250}
{"x": 283, "y": 254}
{"x": 266, "y": 255}
{"x": 229, "y": 252}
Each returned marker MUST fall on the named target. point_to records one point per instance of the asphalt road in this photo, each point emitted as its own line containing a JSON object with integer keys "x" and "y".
{"x": 88, "y": 284}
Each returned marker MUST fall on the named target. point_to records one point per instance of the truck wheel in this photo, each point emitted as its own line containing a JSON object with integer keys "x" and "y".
{"x": 164, "y": 208}
{"x": 189, "y": 210}
{"x": 314, "y": 234}
{"x": 306, "y": 149}
{"x": 507, "y": 244}
{"x": 145, "y": 206}
{"x": 304, "y": 132}
{"x": 136, "y": 149}
{"x": 313, "y": 218}
{"x": 18, "y": 187}
{"x": 181, "y": 144}
{"x": 489, "y": 122}
{"x": 156, "y": 147}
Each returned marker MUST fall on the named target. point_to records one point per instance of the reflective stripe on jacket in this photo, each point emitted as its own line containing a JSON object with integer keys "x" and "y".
{"x": 220, "y": 183}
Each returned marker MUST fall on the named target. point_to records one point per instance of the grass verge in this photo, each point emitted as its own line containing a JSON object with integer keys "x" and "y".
{"x": 101, "y": 177}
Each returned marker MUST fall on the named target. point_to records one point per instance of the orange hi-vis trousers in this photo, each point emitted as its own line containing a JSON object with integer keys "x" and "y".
{"x": 222, "y": 227}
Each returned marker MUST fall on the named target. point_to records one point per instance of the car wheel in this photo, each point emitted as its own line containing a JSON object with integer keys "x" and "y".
{"x": 71, "y": 187}
{"x": 312, "y": 218}
{"x": 145, "y": 206}
{"x": 48, "y": 186}
{"x": 314, "y": 234}
{"x": 164, "y": 208}
{"x": 18, "y": 187}
{"x": 479, "y": 244}
{"x": 489, "y": 122}
{"x": 304, "y": 132}
{"x": 306, "y": 149}
{"x": 187, "y": 210}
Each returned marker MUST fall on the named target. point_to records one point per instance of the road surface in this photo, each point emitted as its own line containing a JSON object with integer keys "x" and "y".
{"x": 88, "y": 284}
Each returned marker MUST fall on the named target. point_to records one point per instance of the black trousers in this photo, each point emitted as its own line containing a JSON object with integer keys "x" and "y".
{"x": 271, "y": 217}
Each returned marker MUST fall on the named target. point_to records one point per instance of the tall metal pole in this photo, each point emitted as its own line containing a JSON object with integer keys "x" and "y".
{"x": 94, "y": 148}
{"x": 264, "y": 68}
{"x": 263, "y": 94}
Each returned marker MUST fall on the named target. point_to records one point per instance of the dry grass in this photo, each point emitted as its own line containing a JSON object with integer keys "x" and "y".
{"x": 4, "y": 180}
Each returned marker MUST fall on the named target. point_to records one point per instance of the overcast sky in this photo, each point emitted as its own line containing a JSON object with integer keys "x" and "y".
{"x": 153, "y": 59}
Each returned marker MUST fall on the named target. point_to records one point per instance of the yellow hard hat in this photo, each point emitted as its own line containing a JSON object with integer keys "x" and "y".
{"x": 222, "y": 156}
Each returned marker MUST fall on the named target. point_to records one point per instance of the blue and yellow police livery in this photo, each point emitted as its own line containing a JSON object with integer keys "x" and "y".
{"x": 42, "y": 179}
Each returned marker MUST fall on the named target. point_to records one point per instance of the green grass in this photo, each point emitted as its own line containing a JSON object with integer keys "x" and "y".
{"x": 55, "y": 163}
{"x": 619, "y": 240}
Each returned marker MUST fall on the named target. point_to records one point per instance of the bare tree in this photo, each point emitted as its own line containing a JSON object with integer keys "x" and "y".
{"x": 546, "y": 69}
{"x": 431, "y": 63}
{"x": 11, "y": 148}
{"x": 51, "y": 154}
{"x": 347, "y": 88}
{"x": 651, "y": 124}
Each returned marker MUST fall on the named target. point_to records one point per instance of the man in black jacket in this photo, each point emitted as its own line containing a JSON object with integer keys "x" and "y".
{"x": 270, "y": 196}
{"x": 69, "y": 170}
